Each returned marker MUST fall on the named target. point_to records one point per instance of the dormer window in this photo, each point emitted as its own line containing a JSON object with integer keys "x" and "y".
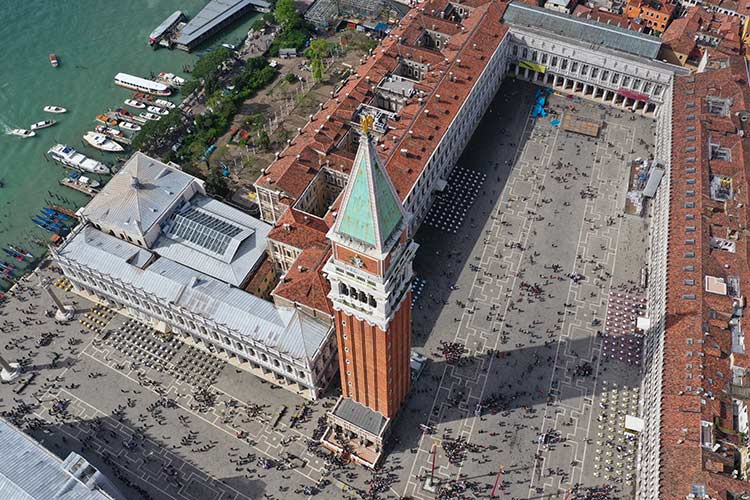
{"x": 718, "y": 106}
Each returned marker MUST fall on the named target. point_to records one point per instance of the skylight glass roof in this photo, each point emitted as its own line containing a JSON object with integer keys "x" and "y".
{"x": 204, "y": 230}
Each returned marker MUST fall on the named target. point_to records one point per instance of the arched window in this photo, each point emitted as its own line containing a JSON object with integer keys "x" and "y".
{"x": 343, "y": 290}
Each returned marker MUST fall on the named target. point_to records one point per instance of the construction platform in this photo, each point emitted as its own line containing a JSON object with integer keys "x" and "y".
{"x": 584, "y": 126}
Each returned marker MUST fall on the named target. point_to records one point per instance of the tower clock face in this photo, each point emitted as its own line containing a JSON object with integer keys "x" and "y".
{"x": 356, "y": 261}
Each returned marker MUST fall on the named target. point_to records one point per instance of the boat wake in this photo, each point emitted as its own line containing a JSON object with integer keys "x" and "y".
{"x": 5, "y": 127}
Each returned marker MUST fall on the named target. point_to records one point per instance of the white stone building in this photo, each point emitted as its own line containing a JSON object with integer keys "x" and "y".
{"x": 154, "y": 247}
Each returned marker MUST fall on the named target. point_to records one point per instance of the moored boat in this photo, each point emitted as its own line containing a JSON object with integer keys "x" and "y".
{"x": 139, "y": 96}
{"x": 54, "y": 109}
{"x": 43, "y": 124}
{"x": 165, "y": 27}
{"x": 51, "y": 212}
{"x": 22, "y": 132}
{"x": 21, "y": 251}
{"x": 157, "y": 110}
{"x": 165, "y": 104}
{"x": 142, "y": 85}
{"x": 73, "y": 159}
{"x": 13, "y": 254}
{"x": 149, "y": 116}
{"x": 135, "y": 104}
{"x": 113, "y": 133}
{"x": 171, "y": 79}
{"x": 106, "y": 120}
{"x": 129, "y": 126}
{"x": 109, "y": 131}
{"x": 102, "y": 143}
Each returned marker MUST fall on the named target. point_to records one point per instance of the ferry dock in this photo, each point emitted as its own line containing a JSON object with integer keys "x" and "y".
{"x": 214, "y": 17}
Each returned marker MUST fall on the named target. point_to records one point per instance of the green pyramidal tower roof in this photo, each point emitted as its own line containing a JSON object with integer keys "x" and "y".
{"x": 371, "y": 209}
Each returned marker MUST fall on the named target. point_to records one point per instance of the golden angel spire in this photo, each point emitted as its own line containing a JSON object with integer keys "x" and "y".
{"x": 367, "y": 122}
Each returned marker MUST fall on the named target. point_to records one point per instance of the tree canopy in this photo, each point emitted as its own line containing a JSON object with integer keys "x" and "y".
{"x": 286, "y": 14}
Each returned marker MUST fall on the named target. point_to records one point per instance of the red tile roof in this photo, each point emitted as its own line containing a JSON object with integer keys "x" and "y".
{"x": 299, "y": 230}
{"x": 607, "y": 17}
{"x": 426, "y": 115}
{"x": 692, "y": 312}
{"x": 304, "y": 283}
{"x": 683, "y": 33}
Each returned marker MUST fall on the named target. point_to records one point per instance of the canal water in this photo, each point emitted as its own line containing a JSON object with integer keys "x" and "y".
{"x": 93, "y": 40}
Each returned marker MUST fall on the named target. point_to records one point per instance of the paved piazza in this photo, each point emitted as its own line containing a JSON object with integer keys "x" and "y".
{"x": 526, "y": 389}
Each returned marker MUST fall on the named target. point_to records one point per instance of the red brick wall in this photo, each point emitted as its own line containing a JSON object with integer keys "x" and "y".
{"x": 379, "y": 373}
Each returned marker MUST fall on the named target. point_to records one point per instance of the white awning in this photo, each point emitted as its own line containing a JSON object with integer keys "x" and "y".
{"x": 633, "y": 424}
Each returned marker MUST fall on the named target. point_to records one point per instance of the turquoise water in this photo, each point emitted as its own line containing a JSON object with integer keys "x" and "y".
{"x": 93, "y": 40}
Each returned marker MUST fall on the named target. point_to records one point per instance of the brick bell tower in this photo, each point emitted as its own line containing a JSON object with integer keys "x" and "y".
{"x": 370, "y": 272}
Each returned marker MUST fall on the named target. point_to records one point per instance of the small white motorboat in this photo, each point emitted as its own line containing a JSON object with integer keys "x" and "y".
{"x": 129, "y": 126}
{"x": 165, "y": 104}
{"x": 44, "y": 124}
{"x": 54, "y": 109}
{"x": 22, "y": 132}
{"x": 171, "y": 79}
{"x": 109, "y": 131}
{"x": 149, "y": 116}
{"x": 157, "y": 110}
{"x": 135, "y": 104}
{"x": 102, "y": 143}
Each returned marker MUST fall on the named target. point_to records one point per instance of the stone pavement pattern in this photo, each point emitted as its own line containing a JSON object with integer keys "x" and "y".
{"x": 178, "y": 423}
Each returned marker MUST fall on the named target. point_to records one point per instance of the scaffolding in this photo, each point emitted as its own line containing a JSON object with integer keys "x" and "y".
{"x": 580, "y": 125}
{"x": 326, "y": 14}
